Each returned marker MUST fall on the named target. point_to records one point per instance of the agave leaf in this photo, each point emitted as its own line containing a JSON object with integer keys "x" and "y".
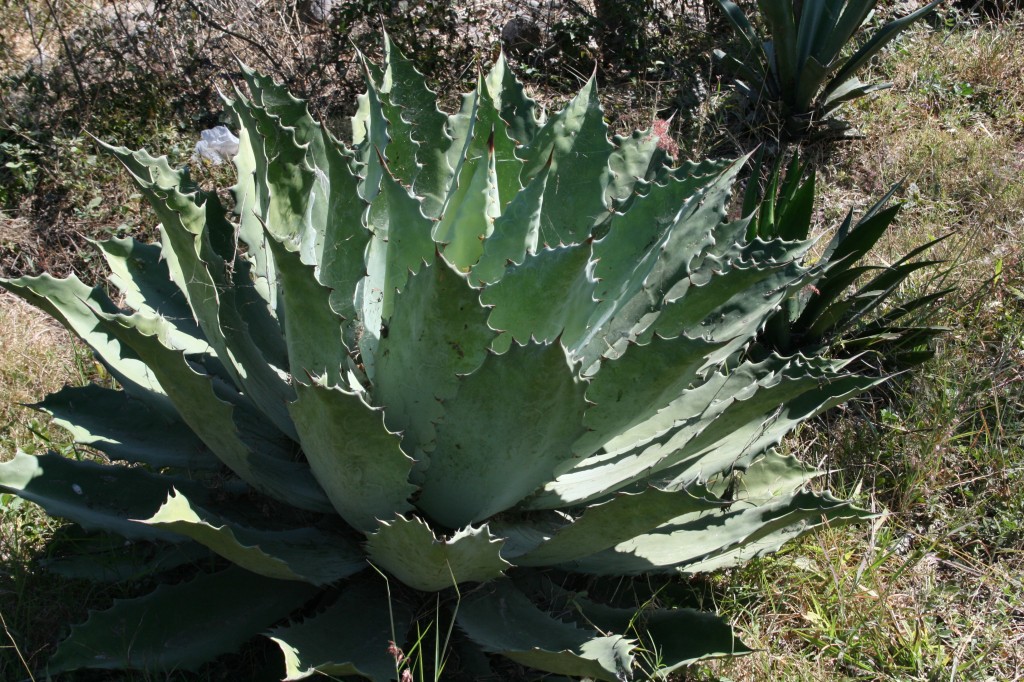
{"x": 549, "y": 295}
{"x": 289, "y": 178}
{"x": 816, "y": 19}
{"x": 778, "y": 16}
{"x": 605, "y": 525}
{"x": 72, "y": 303}
{"x": 752, "y": 84}
{"x": 408, "y": 549}
{"x": 251, "y": 199}
{"x": 400, "y": 245}
{"x": 348, "y": 638}
{"x": 492, "y": 135}
{"x": 341, "y": 265}
{"x": 312, "y": 328}
{"x": 212, "y": 419}
{"x": 732, "y": 304}
{"x": 644, "y": 254}
{"x": 489, "y": 457}
{"x": 886, "y": 323}
{"x": 634, "y": 387}
{"x": 416, "y": 104}
{"x": 851, "y": 89}
{"x": 202, "y": 274}
{"x": 517, "y": 109}
{"x": 142, "y": 277}
{"x": 812, "y": 75}
{"x": 353, "y": 456}
{"x": 104, "y": 560}
{"x": 305, "y": 554}
{"x": 635, "y": 160}
{"x": 853, "y": 16}
{"x": 880, "y": 39}
{"x": 765, "y": 515}
{"x": 502, "y": 620}
{"x": 680, "y": 637}
{"x": 333, "y": 205}
{"x": 575, "y": 140}
{"x": 470, "y": 210}
{"x": 200, "y": 619}
{"x": 126, "y": 429}
{"x": 95, "y": 496}
{"x": 438, "y": 331}
{"x": 370, "y": 137}
{"x": 742, "y": 25}
{"x": 723, "y": 423}
{"x": 516, "y": 233}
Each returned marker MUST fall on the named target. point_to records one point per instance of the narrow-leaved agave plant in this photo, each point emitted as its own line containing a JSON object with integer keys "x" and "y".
{"x": 467, "y": 368}
{"x": 804, "y": 67}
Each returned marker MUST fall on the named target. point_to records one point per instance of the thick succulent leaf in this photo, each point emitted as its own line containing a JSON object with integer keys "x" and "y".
{"x": 416, "y": 105}
{"x": 502, "y": 620}
{"x": 724, "y": 422}
{"x": 125, "y": 429}
{"x": 575, "y": 141}
{"x": 312, "y": 328}
{"x": 438, "y": 331}
{"x": 517, "y": 109}
{"x": 602, "y": 526}
{"x": 634, "y": 387}
{"x": 741, "y": 24}
{"x": 370, "y": 137}
{"x": 400, "y": 245}
{"x": 516, "y": 233}
{"x": 290, "y": 180}
{"x": 719, "y": 540}
{"x": 636, "y": 160}
{"x": 251, "y": 196}
{"x": 216, "y": 295}
{"x": 401, "y": 148}
{"x": 349, "y": 637}
{"x": 305, "y": 554}
{"x": 680, "y": 637}
{"x": 212, "y": 419}
{"x": 342, "y": 265}
{"x": 549, "y": 295}
{"x": 646, "y": 253}
{"x": 141, "y": 275}
{"x": 408, "y": 549}
{"x": 830, "y": 44}
{"x": 353, "y": 456}
{"x": 180, "y": 627}
{"x": 95, "y": 496}
{"x": 851, "y": 89}
{"x": 781, "y": 23}
{"x": 470, "y": 210}
{"x": 764, "y": 515}
{"x": 73, "y": 304}
{"x": 489, "y": 456}
{"x": 104, "y": 559}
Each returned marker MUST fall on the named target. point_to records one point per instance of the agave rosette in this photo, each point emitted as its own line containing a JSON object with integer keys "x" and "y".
{"x": 490, "y": 354}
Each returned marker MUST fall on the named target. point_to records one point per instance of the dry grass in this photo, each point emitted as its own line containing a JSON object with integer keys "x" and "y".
{"x": 37, "y": 356}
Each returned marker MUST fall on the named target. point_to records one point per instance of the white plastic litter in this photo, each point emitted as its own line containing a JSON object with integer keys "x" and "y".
{"x": 217, "y": 145}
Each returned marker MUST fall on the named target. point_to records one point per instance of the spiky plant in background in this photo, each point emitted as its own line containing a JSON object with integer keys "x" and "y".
{"x": 803, "y": 71}
{"x": 469, "y": 365}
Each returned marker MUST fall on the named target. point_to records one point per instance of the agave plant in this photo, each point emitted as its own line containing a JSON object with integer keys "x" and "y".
{"x": 804, "y": 67}
{"x": 464, "y": 368}
{"x": 848, "y": 310}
